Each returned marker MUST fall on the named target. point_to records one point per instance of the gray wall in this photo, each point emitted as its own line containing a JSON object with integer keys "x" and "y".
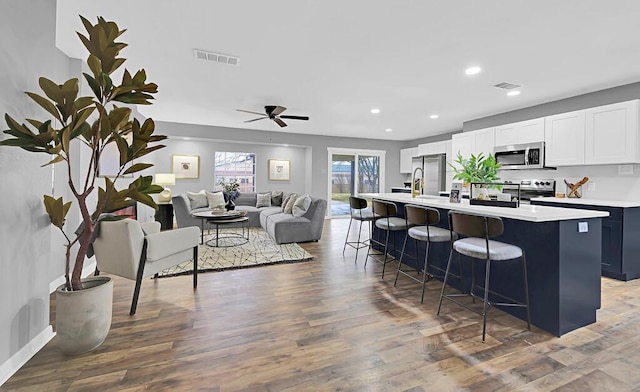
{"x": 312, "y": 165}
{"x": 27, "y": 51}
{"x": 430, "y": 139}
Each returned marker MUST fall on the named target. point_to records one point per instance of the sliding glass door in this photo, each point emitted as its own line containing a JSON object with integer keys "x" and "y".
{"x": 353, "y": 172}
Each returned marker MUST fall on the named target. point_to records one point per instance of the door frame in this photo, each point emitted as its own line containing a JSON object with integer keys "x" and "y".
{"x": 355, "y": 152}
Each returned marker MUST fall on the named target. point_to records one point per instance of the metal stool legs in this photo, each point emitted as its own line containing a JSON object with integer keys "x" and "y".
{"x": 487, "y": 304}
{"x": 357, "y": 245}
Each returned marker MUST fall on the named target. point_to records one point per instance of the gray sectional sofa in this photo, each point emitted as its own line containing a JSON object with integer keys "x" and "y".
{"x": 283, "y": 228}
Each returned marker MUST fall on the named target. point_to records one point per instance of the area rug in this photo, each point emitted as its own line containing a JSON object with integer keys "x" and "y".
{"x": 258, "y": 251}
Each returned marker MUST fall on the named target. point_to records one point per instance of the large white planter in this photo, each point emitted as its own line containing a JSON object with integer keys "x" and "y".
{"x": 83, "y": 317}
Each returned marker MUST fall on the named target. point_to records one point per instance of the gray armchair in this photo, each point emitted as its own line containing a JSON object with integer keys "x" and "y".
{"x": 136, "y": 251}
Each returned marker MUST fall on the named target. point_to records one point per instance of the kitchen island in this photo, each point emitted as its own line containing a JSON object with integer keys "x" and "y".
{"x": 563, "y": 249}
{"x": 620, "y": 232}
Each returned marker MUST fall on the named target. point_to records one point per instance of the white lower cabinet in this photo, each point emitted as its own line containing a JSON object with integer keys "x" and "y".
{"x": 611, "y": 135}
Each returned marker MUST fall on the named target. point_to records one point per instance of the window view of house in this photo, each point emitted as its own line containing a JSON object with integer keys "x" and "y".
{"x": 238, "y": 165}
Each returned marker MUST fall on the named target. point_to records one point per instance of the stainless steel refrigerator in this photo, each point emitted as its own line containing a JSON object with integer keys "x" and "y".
{"x": 435, "y": 169}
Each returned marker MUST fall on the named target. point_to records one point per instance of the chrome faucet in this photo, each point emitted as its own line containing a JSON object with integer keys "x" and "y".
{"x": 417, "y": 190}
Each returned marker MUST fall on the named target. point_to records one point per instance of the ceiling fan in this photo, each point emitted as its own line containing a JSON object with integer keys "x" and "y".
{"x": 273, "y": 113}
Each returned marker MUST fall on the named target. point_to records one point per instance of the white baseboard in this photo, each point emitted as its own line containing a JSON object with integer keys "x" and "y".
{"x": 88, "y": 269}
{"x": 17, "y": 360}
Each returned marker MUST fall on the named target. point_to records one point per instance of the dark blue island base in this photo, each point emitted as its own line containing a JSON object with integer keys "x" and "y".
{"x": 563, "y": 267}
{"x": 620, "y": 238}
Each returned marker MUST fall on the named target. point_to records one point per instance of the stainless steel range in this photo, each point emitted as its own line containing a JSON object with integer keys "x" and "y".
{"x": 534, "y": 188}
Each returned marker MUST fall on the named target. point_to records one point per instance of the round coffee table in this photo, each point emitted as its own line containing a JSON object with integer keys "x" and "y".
{"x": 221, "y": 219}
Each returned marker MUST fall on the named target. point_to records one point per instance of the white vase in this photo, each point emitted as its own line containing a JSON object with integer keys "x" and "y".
{"x": 83, "y": 317}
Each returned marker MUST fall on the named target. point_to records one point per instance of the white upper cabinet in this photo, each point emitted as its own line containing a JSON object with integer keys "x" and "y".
{"x": 485, "y": 141}
{"x": 432, "y": 148}
{"x": 406, "y": 155}
{"x": 565, "y": 139}
{"x": 521, "y": 132}
{"x": 612, "y": 134}
{"x": 474, "y": 142}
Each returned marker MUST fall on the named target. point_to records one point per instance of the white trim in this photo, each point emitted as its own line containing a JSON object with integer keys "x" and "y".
{"x": 17, "y": 360}
{"x": 86, "y": 271}
{"x": 354, "y": 151}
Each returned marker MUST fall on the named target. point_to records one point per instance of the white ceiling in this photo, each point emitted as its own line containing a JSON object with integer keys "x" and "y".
{"x": 334, "y": 60}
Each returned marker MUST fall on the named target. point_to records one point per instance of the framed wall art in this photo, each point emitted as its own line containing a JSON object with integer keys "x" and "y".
{"x": 279, "y": 170}
{"x": 185, "y": 166}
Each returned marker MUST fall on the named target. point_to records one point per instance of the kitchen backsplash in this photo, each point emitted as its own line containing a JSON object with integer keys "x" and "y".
{"x": 604, "y": 181}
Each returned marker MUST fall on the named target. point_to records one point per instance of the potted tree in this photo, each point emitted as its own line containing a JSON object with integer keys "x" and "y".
{"x": 476, "y": 168}
{"x": 93, "y": 122}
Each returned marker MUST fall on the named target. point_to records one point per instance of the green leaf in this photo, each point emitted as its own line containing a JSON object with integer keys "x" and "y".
{"x": 123, "y": 148}
{"x": 45, "y": 104}
{"x": 138, "y": 167}
{"x": 82, "y": 103}
{"x": 57, "y": 159}
{"x": 57, "y": 210}
{"x": 66, "y": 137}
{"x": 94, "y": 65}
{"x": 94, "y": 85}
{"x": 52, "y": 90}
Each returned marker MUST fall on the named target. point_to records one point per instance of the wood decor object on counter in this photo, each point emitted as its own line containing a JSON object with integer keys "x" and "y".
{"x": 573, "y": 190}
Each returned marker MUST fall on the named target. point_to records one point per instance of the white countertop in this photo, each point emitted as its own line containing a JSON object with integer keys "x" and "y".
{"x": 524, "y": 212}
{"x": 590, "y": 202}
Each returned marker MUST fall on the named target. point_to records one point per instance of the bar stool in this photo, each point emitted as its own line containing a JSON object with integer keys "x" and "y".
{"x": 478, "y": 229}
{"x": 357, "y": 206}
{"x": 420, "y": 222}
{"x": 385, "y": 218}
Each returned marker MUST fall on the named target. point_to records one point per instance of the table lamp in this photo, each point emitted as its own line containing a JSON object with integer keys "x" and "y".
{"x": 163, "y": 179}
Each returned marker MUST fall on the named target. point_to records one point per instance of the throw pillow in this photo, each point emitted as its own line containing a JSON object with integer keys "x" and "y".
{"x": 289, "y": 207}
{"x": 215, "y": 199}
{"x": 263, "y": 200}
{"x": 284, "y": 201}
{"x": 198, "y": 199}
{"x": 301, "y": 205}
{"x": 276, "y": 198}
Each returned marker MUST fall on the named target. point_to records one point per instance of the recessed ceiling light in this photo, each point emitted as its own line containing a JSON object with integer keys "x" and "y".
{"x": 285, "y": 145}
{"x": 513, "y": 93}
{"x": 187, "y": 138}
{"x": 375, "y": 110}
{"x": 433, "y": 116}
{"x": 388, "y": 130}
{"x": 473, "y": 70}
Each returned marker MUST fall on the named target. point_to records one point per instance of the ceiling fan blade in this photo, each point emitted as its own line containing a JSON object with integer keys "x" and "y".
{"x": 277, "y": 110}
{"x": 249, "y": 111}
{"x": 279, "y": 122}
{"x": 256, "y": 119}
{"x": 295, "y": 117}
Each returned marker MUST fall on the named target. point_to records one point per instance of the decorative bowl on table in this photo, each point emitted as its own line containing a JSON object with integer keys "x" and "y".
{"x": 218, "y": 211}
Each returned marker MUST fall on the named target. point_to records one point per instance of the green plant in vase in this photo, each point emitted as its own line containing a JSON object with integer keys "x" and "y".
{"x": 476, "y": 168}
{"x": 93, "y": 122}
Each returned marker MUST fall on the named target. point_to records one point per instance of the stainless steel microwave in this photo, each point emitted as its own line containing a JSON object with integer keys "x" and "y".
{"x": 521, "y": 156}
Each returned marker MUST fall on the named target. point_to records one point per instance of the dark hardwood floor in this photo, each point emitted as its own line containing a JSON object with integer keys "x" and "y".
{"x": 331, "y": 325}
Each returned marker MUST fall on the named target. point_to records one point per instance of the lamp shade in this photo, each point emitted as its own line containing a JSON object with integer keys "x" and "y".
{"x": 165, "y": 179}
